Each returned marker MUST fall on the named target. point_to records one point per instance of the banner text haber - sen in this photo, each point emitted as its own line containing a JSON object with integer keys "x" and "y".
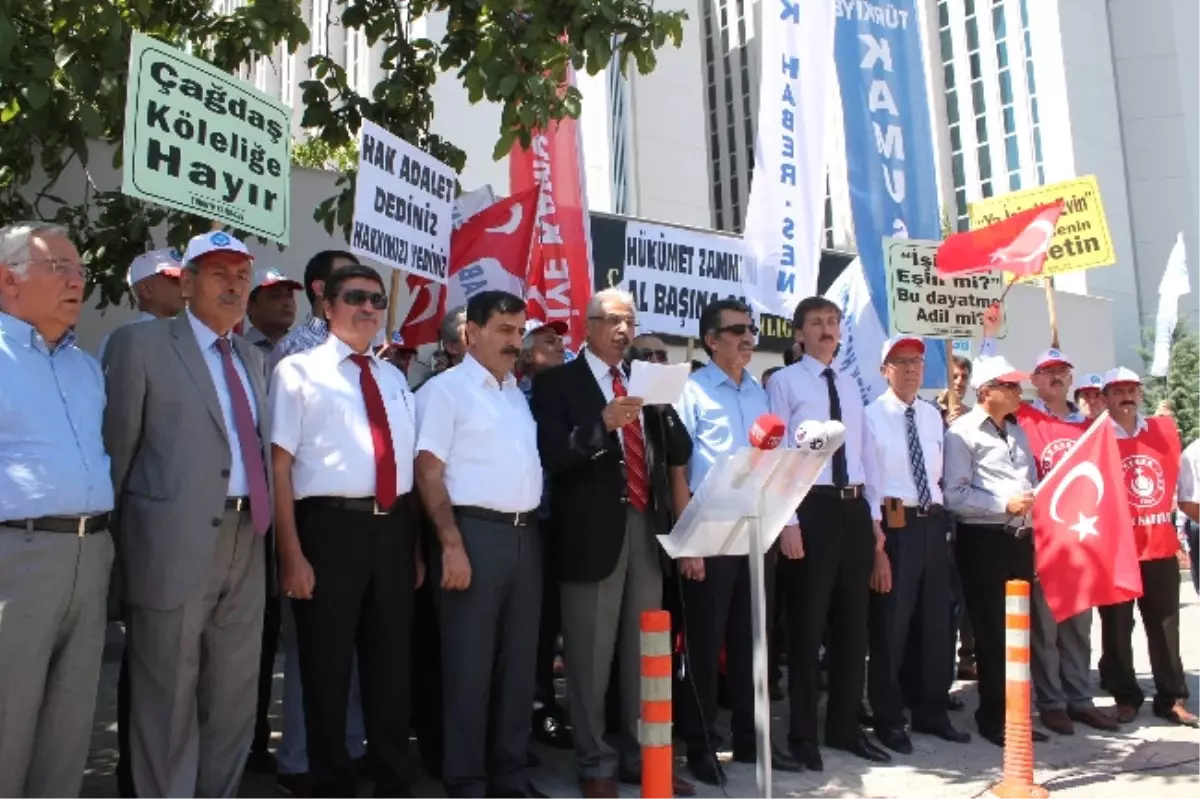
{"x": 180, "y": 124}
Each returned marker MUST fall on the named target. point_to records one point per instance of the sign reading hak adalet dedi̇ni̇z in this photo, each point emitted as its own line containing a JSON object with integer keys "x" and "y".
{"x": 202, "y": 141}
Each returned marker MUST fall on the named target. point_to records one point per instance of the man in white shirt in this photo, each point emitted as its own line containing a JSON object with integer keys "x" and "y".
{"x": 829, "y": 557}
{"x": 481, "y": 482}
{"x": 903, "y": 458}
{"x": 1189, "y": 503}
{"x": 342, "y": 451}
{"x": 154, "y": 283}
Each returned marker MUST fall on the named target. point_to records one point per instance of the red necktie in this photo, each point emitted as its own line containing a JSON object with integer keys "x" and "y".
{"x": 381, "y": 434}
{"x": 635, "y": 451}
{"x": 248, "y": 441}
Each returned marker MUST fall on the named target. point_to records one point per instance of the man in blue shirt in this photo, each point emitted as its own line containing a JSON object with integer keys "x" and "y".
{"x": 55, "y": 497}
{"x": 719, "y": 405}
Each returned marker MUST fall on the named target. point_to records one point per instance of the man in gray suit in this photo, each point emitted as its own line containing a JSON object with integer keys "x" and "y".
{"x": 185, "y": 426}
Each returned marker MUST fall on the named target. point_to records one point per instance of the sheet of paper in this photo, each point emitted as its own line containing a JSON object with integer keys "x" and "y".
{"x": 656, "y": 383}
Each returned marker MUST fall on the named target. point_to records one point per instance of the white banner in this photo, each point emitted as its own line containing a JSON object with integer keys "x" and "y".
{"x": 922, "y": 304}
{"x": 673, "y": 273}
{"x": 786, "y": 214}
{"x": 862, "y": 334}
{"x": 403, "y": 205}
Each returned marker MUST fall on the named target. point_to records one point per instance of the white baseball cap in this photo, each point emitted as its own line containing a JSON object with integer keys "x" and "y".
{"x": 1089, "y": 380}
{"x": 215, "y": 241}
{"x": 1121, "y": 375}
{"x": 534, "y": 325}
{"x": 1052, "y": 357}
{"x": 895, "y": 341}
{"x": 995, "y": 368}
{"x": 264, "y": 278}
{"x": 156, "y": 262}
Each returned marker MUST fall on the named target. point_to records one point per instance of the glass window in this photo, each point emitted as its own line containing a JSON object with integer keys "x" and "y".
{"x": 952, "y": 106}
{"x": 1041, "y": 176}
{"x": 972, "y": 35}
{"x": 1012, "y": 152}
{"x": 955, "y": 138}
{"x": 1024, "y": 15}
{"x": 1006, "y": 90}
{"x": 977, "y": 96}
{"x": 1002, "y": 54}
{"x": 970, "y": 8}
{"x": 986, "y": 188}
{"x": 976, "y": 66}
{"x": 985, "y": 163}
{"x": 1010, "y": 120}
{"x": 1029, "y": 81}
{"x": 960, "y": 177}
{"x": 981, "y": 132}
{"x": 1033, "y": 110}
{"x": 943, "y": 14}
{"x": 998, "y": 20}
{"x": 948, "y": 75}
{"x": 1037, "y": 145}
{"x": 960, "y": 202}
{"x": 947, "y": 44}
{"x": 1014, "y": 181}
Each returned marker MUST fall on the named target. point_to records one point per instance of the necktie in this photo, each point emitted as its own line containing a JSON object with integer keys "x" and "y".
{"x": 916, "y": 459}
{"x": 248, "y": 441}
{"x": 635, "y": 451}
{"x": 381, "y": 434}
{"x": 841, "y": 473}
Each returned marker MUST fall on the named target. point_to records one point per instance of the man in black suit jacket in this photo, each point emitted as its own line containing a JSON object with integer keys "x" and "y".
{"x": 606, "y": 503}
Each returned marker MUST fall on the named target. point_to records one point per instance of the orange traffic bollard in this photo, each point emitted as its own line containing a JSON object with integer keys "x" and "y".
{"x": 1017, "y": 782}
{"x": 654, "y": 730}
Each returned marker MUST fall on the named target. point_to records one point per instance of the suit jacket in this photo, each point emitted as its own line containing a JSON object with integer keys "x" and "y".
{"x": 171, "y": 457}
{"x": 585, "y": 463}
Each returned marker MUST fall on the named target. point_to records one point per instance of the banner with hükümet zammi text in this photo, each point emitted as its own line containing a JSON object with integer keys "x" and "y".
{"x": 199, "y": 140}
{"x": 403, "y": 205}
{"x": 1081, "y": 238}
{"x": 922, "y": 304}
{"x": 674, "y": 272}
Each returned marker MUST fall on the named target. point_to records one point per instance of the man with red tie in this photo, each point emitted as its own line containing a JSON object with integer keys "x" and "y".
{"x": 342, "y": 452}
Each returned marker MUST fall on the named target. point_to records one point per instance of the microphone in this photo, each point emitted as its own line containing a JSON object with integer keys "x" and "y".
{"x": 767, "y": 431}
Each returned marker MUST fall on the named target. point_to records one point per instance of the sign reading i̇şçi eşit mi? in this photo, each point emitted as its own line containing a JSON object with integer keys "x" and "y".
{"x": 202, "y": 141}
{"x": 1081, "y": 238}
{"x": 922, "y": 304}
{"x": 674, "y": 272}
{"x": 403, "y": 205}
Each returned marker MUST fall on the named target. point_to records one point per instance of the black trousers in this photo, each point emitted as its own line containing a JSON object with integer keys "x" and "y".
{"x": 124, "y": 762}
{"x": 272, "y": 618}
{"x": 829, "y": 588}
{"x": 988, "y": 557}
{"x": 549, "y": 629}
{"x": 427, "y": 719}
{"x": 1159, "y": 608}
{"x": 717, "y": 612}
{"x": 363, "y": 601}
{"x": 918, "y": 604}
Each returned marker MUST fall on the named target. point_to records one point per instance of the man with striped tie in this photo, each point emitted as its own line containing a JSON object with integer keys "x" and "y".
{"x": 911, "y": 580}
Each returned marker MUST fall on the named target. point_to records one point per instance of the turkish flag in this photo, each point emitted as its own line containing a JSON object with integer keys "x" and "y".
{"x": 1017, "y": 245}
{"x": 488, "y": 252}
{"x": 1085, "y": 551}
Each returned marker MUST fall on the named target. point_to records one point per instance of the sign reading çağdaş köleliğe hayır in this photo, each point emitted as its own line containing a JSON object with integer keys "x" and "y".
{"x": 200, "y": 140}
{"x": 403, "y": 205}
{"x": 673, "y": 273}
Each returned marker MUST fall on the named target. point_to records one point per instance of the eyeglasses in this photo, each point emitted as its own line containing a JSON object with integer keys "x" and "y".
{"x": 59, "y": 267}
{"x": 1004, "y": 384}
{"x": 907, "y": 363}
{"x": 360, "y": 297}
{"x": 616, "y": 320}
{"x": 738, "y": 329}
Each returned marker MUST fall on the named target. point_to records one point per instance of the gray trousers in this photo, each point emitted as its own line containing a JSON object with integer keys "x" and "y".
{"x": 193, "y": 675}
{"x": 53, "y": 589}
{"x": 596, "y": 618}
{"x": 489, "y": 656}
{"x": 1061, "y": 657}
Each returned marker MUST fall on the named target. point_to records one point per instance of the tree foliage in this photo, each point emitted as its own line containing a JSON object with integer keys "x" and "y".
{"x": 1181, "y": 387}
{"x": 64, "y": 69}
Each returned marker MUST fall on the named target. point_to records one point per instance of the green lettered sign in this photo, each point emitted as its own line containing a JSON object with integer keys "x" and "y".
{"x": 202, "y": 141}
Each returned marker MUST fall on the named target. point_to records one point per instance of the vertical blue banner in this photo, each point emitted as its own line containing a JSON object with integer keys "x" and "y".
{"x": 889, "y": 144}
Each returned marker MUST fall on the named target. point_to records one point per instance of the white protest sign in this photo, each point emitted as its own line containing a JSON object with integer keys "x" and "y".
{"x": 922, "y": 304}
{"x": 403, "y": 205}
{"x": 673, "y": 273}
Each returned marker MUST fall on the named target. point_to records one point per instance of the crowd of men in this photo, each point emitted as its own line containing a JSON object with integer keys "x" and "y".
{"x": 418, "y": 555}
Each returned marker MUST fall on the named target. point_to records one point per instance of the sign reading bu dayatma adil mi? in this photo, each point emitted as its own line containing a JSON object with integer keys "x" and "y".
{"x": 920, "y": 303}
{"x": 200, "y": 140}
{"x": 1081, "y": 239}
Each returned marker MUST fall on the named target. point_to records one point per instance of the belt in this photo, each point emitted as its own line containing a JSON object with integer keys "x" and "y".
{"x": 933, "y": 510}
{"x": 849, "y": 492}
{"x": 522, "y": 519}
{"x": 237, "y": 504}
{"x": 355, "y": 504}
{"x": 1007, "y": 529}
{"x": 72, "y": 525}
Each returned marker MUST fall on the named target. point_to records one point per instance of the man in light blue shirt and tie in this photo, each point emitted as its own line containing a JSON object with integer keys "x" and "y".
{"x": 720, "y": 403}
{"x": 55, "y": 497}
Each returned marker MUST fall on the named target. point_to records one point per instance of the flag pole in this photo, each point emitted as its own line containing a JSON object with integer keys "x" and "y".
{"x": 1048, "y": 282}
{"x": 951, "y": 394}
{"x": 391, "y": 314}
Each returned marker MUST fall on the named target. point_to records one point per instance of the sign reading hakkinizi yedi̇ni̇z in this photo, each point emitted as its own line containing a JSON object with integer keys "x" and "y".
{"x": 922, "y": 304}
{"x": 200, "y": 140}
{"x": 403, "y": 205}
{"x": 1081, "y": 240}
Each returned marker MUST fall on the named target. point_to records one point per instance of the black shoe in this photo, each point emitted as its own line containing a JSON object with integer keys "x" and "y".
{"x": 808, "y": 755}
{"x": 997, "y": 737}
{"x": 944, "y": 730}
{"x": 954, "y": 703}
{"x": 550, "y": 729}
{"x": 705, "y": 768}
{"x": 261, "y": 762}
{"x": 896, "y": 739}
{"x": 297, "y": 785}
{"x": 780, "y": 760}
{"x": 863, "y": 748}
{"x": 865, "y": 717}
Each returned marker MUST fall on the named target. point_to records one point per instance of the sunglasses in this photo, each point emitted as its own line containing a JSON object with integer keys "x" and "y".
{"x": 655, "y": 356}
{"x": 1006, "y": 385}
{"x": 738, "y": 329}
{"x": 360, "y": 297}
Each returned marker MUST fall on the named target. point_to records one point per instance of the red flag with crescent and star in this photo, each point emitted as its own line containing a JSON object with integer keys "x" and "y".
{"x": 1084, "y": 546}
{"x": 1049, "y": 437}
{"x": 1017, "y": 245}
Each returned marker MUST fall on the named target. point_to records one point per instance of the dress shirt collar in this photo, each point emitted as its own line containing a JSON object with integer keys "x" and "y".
{"x": 714, "y": 375}
{"x": 599, "y": 368}
{"x": 979, "y": 417}
{"x": 146, "y": 316}
{"x": 817, "y": 368}
{"x": 26, "y": 334}
{"x": 1139, "y": 427}
{"x": 1073, "y": 413}
{"x": 481, "y": 376}
{"x": 340, "y": 350}
{"x": 889, "y": 397}
{"x": 206, "y": 337}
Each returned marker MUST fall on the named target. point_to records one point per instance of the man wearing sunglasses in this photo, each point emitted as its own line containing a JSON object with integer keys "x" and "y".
{"x": 342, "y": 452}
{"x": 649, "y": 348}
{"x": 989, "y": 477}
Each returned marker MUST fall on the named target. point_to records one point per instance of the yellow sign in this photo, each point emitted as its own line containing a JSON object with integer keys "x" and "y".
{"x": 1081, "y": 240}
